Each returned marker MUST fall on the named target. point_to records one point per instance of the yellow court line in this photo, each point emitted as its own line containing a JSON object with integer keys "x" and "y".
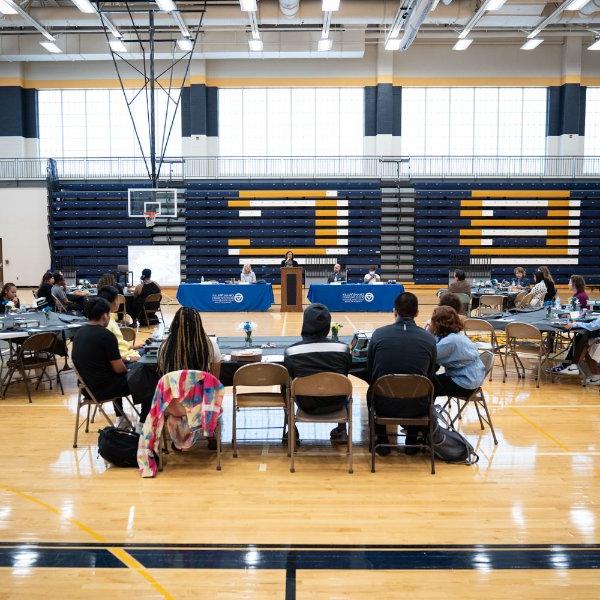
{"x": 118, "y": 553}
{"x": 540, "y": 429}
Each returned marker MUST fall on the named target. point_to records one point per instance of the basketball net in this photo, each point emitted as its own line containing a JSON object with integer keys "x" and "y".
{"x": 150, "y": 216}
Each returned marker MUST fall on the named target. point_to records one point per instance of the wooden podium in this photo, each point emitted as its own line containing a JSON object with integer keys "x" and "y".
{"x": 291, "y": 289}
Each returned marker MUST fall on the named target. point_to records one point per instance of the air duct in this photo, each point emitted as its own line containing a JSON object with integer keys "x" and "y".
{"x": 418, "y": 14}
{"x": 289, "y": 8}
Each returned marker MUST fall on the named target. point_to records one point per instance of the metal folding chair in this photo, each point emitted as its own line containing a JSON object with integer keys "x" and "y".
{"x": 524, "y": 340}
{"x": 151, "y": 306}
{"x": 475, "y": 329}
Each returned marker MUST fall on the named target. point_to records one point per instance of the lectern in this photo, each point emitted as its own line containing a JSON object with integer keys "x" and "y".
{"x": 291, "y": 289}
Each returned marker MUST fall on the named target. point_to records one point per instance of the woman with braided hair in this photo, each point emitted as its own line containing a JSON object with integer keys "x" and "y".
{"x": 188, "y": 346}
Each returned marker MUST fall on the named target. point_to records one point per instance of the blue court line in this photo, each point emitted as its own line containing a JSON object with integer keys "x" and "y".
{"x": 291, "y": 559}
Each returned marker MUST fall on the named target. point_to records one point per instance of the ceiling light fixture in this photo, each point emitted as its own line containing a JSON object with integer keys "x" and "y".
{"x": 462, "y": 44}
{"x": 7, "y": 9}
{"x": 595, "y": 45}
{"x": 166, "y": 5}
{"x": 248, "y": 5}
{"x": 185, "y": 32}
{"x": 255, "y": 45}
{"x": 392, "y": 44}
{"x": 495, "y": 5}
{"x": 330, "y": 5}
{"x": 51, "y": 47}
{"x": 117, "y": 46}
{"x": 531, "y": 44}
{"x": 85, "y": 6}
{"x": 185, "y": 44}
{"x": 577, "y": 4}
{"x": 325, "y": 44}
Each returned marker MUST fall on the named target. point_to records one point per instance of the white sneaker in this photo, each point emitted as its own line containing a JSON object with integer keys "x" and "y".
{"x": 568, "y": 370}
{"x": 594, "y": 380}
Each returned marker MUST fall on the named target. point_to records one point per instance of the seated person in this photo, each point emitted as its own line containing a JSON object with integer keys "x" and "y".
{"x": 550, "y": 287}
{"x": 457, "y": 354}
{"x": 59, "y": 291}
{"x": 189, "y": 347}
{"x": 538, "y": 291}
{"x": 317, "y": 353}
{"x": 388, "y": 355}
{"x": 372, "y": 276}
{"x": 9, "y": 294}
{"x": 45, "y": 289}
{"x": 460, "y": 285}
{"x": 144, "y": 289}
{"x": 289, "y": 260}
{"x": 577, "y": 358}
{"x": 521, "y": 281}
{"x": 97, "y": 359}
{"x": 247, "y": 275}
{"x": 452, "y": 300}
{"x": 128, "y": 350}
{"x": 109, "y": 280}
{"x": 337, "y": 275}
{"x": 577, "y": 286}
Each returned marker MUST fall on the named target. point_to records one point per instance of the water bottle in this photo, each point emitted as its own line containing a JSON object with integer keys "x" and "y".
{"x": 577, "y": 305}
{"x": 202, "y": 279}
{"x": 557, "y": 304}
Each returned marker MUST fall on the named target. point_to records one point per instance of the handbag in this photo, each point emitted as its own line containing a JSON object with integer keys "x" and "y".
{"x": 448, "y": 444}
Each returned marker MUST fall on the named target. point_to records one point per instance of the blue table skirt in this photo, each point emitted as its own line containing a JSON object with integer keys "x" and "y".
{"x": 226, "y": 297}
{"x": 356, "y": 297}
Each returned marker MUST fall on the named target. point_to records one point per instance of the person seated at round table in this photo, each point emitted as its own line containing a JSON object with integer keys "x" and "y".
{"x": 337, "y": 274}
{"x": 464, "y": 370}
{"x": 549, "y": 281}
{"x": 289, "y": 260}
{"x": 520, "y": 280}
{"x": 452, "y": 300}
{"x": 247, "y": 275}
{"x": 142, "y": 290}
{"x": 45, "y": 289}
{"x": 460, "y": 285}
{"x": 372, "y": 276}
{"x": 577, "y": 286}
{"x": 9, "y": 294}
{"x": 539, "y": 290}
{"x": 59, "y": 291}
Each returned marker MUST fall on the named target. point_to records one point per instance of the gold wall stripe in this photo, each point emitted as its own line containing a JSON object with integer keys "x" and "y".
{"x": 529, "y": 194}
{"x": 238, "y": 242}
{"x": 281, "y": 251}
{"x": 327, "y": 223}
{"x": 520, "y": 251}
{"x": 473, "y": 232}
{"x": 327, "y": 213}
{"x": 557, "y": 242}
{"x": 559, "y": 213}
{"x": 322, "y": 232}
{"x": 469, "y": 242}
{"x": 326, "y": 242}
{"x": 471, "y": 213}
{"x": 238, "y": 203}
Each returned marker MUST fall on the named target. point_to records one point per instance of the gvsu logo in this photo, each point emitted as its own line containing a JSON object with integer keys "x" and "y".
{"x": 238, "y": 298}
{"x": 369, "y": 297}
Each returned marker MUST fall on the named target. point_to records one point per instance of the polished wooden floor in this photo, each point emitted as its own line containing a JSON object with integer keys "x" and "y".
{"x": 522, "y": 523}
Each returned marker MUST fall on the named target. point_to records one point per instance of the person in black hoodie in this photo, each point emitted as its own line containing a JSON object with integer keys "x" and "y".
{"x": 316, "y": 353}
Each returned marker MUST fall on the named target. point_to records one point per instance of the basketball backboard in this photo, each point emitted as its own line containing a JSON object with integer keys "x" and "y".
{"x": 162, "y": 201}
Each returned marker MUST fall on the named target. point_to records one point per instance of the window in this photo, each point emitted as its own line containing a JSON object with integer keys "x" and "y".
{"x": 96, "y": 123}
{"x": 592, "y": 122}
{"x": 291, "y": 122}
{"x": 473, "y": 121}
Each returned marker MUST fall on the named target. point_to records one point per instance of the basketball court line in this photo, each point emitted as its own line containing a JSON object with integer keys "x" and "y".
{"x": 539, "y": 428}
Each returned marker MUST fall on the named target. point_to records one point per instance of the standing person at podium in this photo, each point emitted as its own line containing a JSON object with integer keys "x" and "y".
{"x": 289, "y": 260}
{"x": 337, "y": 275}
{"x": 248, "y": 275}
{"x": 372, "y": 276}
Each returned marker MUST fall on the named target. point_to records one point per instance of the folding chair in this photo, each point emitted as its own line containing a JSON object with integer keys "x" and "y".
{"x": 35, "y": 353}
{"x": 128, "y": 334}
{"x": 524, "y": 340}
{"x": 321, "y": 385}
{"x": 476, "y": 328}
{"x": 151, "y": 307}
{"x": 260, "y": 375}
{"x": 402, "y": 389}
{"x": 490, "y": 304}
{"x": 477, "y": 397}
{"x": 59, "y": 307}
{"x": 519, "y": 299}
{"x": 87, "y": 398}
{"x": 121, "y": 307}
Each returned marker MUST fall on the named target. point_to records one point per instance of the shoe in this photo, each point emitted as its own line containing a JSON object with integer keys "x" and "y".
{"x": 594, "y": 380}
{"x": 212, "y": 443}
{"x": 383, "y": 450}
{"x": 338, "y": 436}
{"x": 565, "y": 370}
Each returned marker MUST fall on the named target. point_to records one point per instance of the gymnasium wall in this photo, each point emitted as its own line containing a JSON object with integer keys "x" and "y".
{"x": 24, "y": 233}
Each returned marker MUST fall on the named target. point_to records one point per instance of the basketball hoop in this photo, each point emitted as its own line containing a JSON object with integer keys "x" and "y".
{"x": 150, "y": 216}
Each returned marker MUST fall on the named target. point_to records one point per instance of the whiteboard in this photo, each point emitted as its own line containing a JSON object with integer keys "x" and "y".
{"x": 164, "y": 261}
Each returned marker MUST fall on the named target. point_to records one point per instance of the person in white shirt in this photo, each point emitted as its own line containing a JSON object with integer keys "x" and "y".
{"x": 247, "y": 275}
{"x": 538, "y": 291}
{"x": 372, "y": 276}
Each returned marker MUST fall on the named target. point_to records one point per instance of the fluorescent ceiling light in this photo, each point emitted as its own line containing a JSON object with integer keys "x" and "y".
{"x": 248, "y": 5}
{"x": 595, "y": 45}
{"x": 331, "y": 5}
{"x": 7, "y": 9}
{"x": 185, "y": 44}
{"x": 85, "y": 6}
{"x": 462, "y": 44}
{"x": 166, "y": 5}
{"x": 51, "y": 47}
{"x": 392, "y": 44}
{"x": 495, "y": 4}
{"x": 255, "y": 45}
{"x": 577, "y": 4}
{"x": 110, "y": 26}
{"x": 325, "y": 44}
{"x": 117, "y": 46}
{"x": 531, "y": 44}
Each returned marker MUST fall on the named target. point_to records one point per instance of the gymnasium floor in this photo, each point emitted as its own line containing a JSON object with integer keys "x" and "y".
{"x": 520, "y": 523}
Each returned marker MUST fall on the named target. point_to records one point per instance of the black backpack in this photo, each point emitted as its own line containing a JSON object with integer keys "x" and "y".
{"x": 448, "y": 444}
{"x": 118, "y": 447}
